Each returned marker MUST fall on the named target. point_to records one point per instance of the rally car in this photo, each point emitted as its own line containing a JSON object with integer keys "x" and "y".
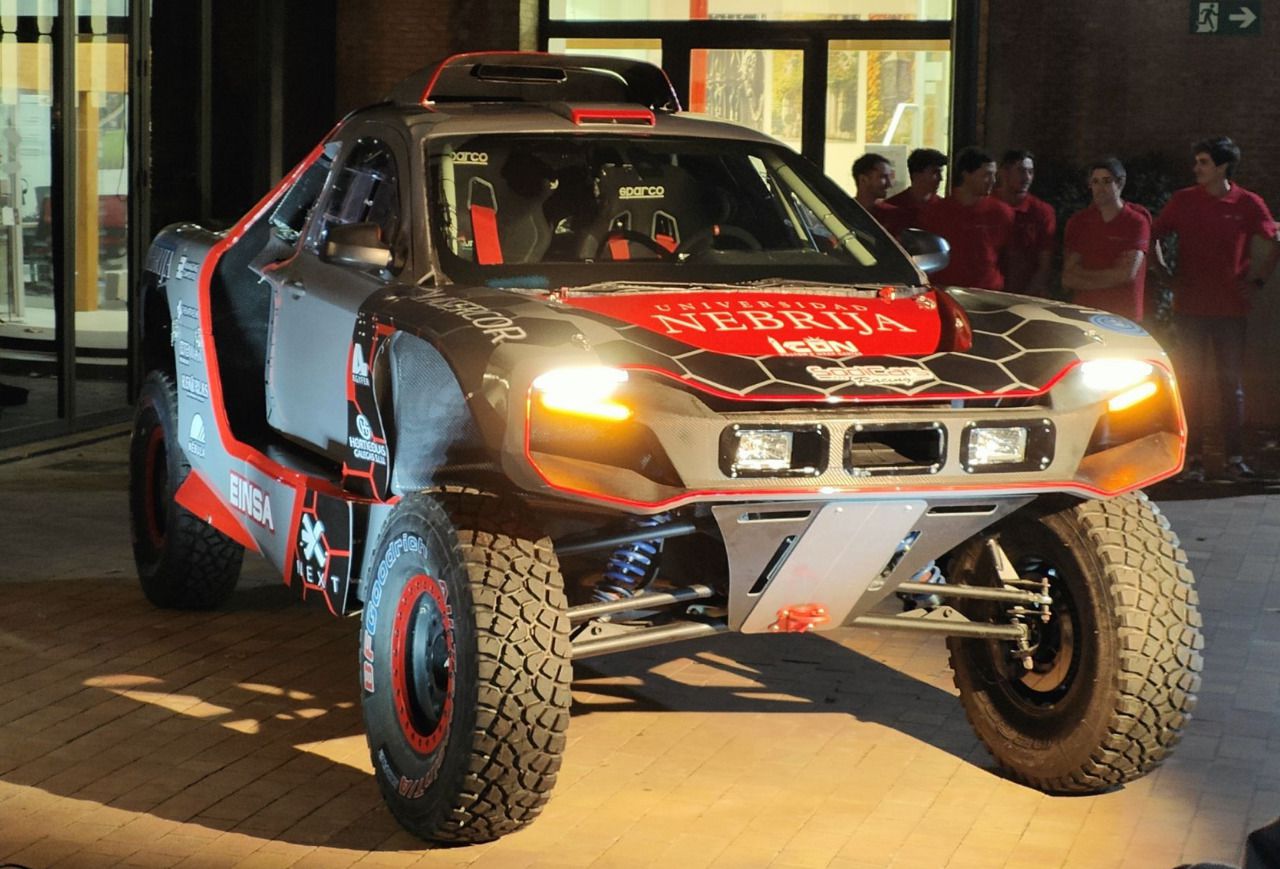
{"x": 526, "y": 366}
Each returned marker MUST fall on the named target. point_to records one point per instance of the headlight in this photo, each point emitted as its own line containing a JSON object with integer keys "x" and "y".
{"x": 585, "y": 391}
{"x": 1125, "y": 382}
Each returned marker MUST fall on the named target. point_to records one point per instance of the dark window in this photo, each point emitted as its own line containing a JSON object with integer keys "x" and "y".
{"x": 366, "y": 190}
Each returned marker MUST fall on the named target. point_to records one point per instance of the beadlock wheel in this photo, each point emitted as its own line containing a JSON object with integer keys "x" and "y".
{"x": 465, "y": 666}
{"x": 1113, "y": 673}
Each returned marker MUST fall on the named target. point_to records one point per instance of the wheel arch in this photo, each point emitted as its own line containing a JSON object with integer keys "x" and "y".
{"x": 155, "y": 326}
{"x": 433, "y": 435}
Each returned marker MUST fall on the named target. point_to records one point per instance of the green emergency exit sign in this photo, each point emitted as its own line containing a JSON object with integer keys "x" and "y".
{"x": 1236, "y": 18}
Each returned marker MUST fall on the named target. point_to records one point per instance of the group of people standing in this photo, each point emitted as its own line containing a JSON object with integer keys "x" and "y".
{"x": 1003, "y": 237}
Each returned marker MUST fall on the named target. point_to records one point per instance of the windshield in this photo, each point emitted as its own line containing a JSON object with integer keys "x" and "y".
{"x": 551, "y": 211}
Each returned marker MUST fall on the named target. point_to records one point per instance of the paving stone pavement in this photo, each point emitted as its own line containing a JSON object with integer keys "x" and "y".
{"x": 135, "y": 737}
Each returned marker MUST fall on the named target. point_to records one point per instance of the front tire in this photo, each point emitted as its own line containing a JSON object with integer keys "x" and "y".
{"x": 1115, "y": 670}
{"x": 465, "y": 665}
{"x": 183, "y": 563}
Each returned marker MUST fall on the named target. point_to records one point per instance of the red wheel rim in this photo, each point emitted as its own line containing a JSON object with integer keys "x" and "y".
{"x": 423, "y": 663}
{"x": 155, "y": 482}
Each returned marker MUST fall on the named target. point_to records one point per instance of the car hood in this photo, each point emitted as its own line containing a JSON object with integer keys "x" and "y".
{"x": 784, "y": 342}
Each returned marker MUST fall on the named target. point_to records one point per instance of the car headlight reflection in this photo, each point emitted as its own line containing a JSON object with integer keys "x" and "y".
{"x": 583, "y": 391}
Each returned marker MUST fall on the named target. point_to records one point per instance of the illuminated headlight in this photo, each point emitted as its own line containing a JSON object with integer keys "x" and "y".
{"x": 763, "y": 451}
{"x": 1124, "y": 382}
{"x": 585, "y": 391}
{"x": 997, "y": 446}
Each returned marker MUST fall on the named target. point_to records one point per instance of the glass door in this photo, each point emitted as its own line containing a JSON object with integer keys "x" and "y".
{"x": 65, "y": 89}
{"x": 102, "y": 205}
{"x": 28, "y": 373}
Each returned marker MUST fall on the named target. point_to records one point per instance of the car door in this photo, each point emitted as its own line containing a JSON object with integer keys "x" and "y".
{"x": 316, "y": 298}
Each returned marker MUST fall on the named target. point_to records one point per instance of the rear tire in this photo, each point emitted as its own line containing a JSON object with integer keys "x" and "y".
{"x": 465, "y": 665}
{"x": 1116, "y": 669}
{"x": 183, "y": 563}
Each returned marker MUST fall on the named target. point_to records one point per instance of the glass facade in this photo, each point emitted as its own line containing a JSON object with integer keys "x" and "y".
{"x": 885, "y": 96}
{"x": 64, "y": 321}
{"x": 755, "y": 10}
{"x": 831, "y": 79}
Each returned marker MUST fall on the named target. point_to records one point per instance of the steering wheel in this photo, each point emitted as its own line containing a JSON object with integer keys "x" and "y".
{"x": 710, "y": 237}
{"x": 605, "y": 251}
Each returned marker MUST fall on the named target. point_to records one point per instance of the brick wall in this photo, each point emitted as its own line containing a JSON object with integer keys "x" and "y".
{"x": 1074, "y": 81}
{"x": 380, "y": 43}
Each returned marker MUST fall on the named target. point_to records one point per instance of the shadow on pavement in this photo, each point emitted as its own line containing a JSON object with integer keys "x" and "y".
{"x": 247, "y": 719}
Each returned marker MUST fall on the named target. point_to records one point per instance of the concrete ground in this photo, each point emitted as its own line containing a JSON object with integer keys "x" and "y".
{"x": 135, "y": 737}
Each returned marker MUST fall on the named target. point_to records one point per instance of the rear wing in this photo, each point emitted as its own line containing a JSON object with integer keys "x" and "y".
{"x": 537, "y": 77}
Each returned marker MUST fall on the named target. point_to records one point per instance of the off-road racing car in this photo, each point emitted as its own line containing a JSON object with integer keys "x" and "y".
{"x": 525, "y": 366}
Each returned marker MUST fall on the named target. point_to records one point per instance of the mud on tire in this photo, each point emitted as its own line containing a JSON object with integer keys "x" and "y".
{"x": 465, "y": 666}
{"x": 1117, "y": 668}
{"x": 183, "y": 563}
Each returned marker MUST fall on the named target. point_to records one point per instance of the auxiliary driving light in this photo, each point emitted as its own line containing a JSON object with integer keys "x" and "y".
{"x": 586, "y": 391}
{"x": 760, "y": 450}
{"x": 780, "y": 450}
{"x": 997, "y": 446}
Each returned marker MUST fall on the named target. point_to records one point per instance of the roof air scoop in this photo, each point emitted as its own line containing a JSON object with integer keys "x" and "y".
{"x": 534, "y": 77}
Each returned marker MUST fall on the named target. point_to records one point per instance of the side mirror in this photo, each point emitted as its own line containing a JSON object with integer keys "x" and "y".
{"x": 356, "y": 244}
{"x": 929, "y": 252}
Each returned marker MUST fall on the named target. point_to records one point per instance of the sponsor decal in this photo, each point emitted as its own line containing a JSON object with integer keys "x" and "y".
{"x": 366, "y": 664}
{"x": 764, "y": 323}
{"x": 496, "y": 326}
{"x": 870, "y": 375}
{"x": 642, "y": 191}
{"x": 196, "y": 437}
{"x": 194, "y": 387}
{"x": 250, "y": 500}
{"x": 471, "y": 158}
{"x": 188, "y": 315}
{"x": 363, "y": 446}
{"x": 761, "y": 321}
{"x": 926, "y": 303}
{"x": 402, "y": 544}
{"x": 314, "y": 553}
{"x": 1113, "y": 323}
{"x": 191, "y": 352}
{"x": 359, "y": 368}
{"x": 810, "y": 346}
{"x": 187, "y": 269}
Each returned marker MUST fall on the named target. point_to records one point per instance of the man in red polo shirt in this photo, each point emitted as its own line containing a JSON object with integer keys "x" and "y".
{"x": 974, "y": 223}
{"x": 1028, "y": 258}
{"x": 1215, "y": 221}
{"x": 873, "y": 176}
{"x": 925, "y": 166}
{"x": 1105, "y": 246}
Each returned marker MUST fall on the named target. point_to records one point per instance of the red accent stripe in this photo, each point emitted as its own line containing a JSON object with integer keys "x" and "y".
{"x": 219, "y": 515}
{"x": 197, "y": 496}
{"x": 484, "y": 226}
{"x": 826, "y": 491}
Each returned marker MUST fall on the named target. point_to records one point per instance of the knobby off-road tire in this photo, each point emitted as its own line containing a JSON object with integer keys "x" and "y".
{"x": 183, "y": 562}
{"x": 1117, "y": 668}
{"x": 465, "y": 665}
